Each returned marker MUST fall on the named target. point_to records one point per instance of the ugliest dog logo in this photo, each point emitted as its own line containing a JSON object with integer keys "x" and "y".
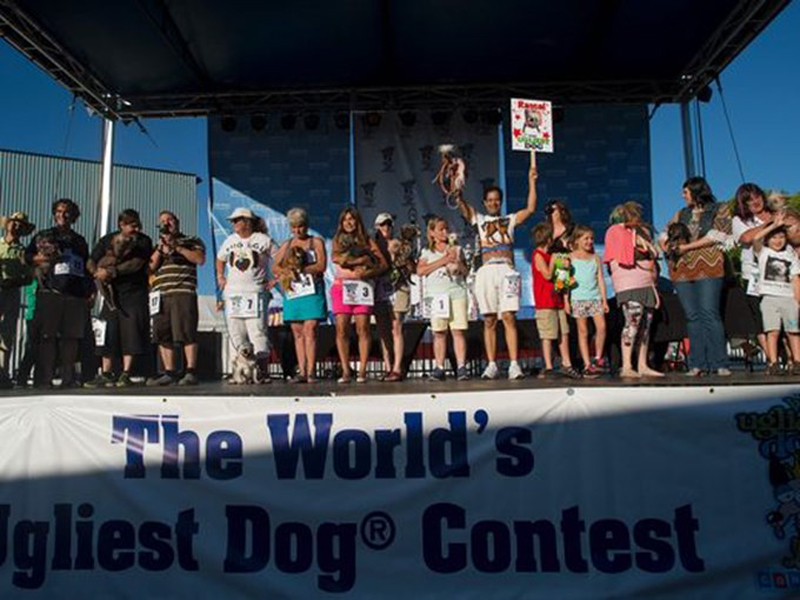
{"x": 777, "y": 431}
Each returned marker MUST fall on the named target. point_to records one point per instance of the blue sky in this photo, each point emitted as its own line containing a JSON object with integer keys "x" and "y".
{"x": 760, "y": 88}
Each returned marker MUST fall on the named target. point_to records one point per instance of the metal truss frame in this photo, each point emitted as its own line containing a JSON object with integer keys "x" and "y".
{"x": 744, "y": 22}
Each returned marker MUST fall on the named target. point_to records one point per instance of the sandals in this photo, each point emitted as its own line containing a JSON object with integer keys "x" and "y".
{"x": 393, "y": 376}
{"x": 344, "y": 379}
{"x": 361, "y": 379}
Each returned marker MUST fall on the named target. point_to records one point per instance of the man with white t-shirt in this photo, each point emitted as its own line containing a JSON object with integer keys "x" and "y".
{"x": 497, "y": 283}
{"x": 246, "y": 252}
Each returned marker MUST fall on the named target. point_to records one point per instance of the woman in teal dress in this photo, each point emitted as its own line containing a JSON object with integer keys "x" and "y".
{"x": 304, "y": 304}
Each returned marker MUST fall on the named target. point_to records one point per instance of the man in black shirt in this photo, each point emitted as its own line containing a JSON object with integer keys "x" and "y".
{"x": 59, "y": 255}
{"x": 125, "y": 309}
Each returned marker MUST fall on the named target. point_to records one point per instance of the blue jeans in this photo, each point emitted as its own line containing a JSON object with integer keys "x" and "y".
{"x": 701, "y": 303}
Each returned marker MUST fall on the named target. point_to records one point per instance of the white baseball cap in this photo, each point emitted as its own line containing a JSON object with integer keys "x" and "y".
{"x": 241, "y": 213}
{"x": 383, "y": 217}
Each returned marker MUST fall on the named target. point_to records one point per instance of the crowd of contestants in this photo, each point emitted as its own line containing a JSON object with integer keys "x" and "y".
{"x": 149, "y": 290}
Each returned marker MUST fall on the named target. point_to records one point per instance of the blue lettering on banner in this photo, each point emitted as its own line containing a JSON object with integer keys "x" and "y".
{"x": 300, "y": 453}
{"x": 223, "y": 448}
{"x": 451, "y": 544}
{"x": 113, "y": 545}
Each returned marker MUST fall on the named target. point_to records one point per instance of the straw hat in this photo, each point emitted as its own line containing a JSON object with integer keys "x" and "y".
{"x": 25, "y": 226}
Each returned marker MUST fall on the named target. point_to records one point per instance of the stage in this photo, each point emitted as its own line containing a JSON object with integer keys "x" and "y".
{"x": 279, "y": 388}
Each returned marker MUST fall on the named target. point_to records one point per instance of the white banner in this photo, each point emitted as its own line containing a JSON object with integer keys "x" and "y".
{"x": 558, "y": 493}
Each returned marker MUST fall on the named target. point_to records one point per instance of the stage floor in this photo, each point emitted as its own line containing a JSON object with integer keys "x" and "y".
{"x": 374, "y": 387}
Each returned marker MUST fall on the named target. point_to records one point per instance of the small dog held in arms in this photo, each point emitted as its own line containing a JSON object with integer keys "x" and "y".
{"x": 350, "y": 250}
{"x": 245, "y": 369}
{"x": 118, "y": 252}
{"x": 292, "y": 267}
{"x": 403, "y": 251}
{"x": 47, "y": 246}
{"x": 677, "y": 234}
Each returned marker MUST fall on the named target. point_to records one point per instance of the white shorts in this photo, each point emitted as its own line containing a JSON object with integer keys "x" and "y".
{"x": 489, "y": 289}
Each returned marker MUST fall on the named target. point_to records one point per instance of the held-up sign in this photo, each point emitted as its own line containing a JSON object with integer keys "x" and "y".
{"x": 531, "y": 125}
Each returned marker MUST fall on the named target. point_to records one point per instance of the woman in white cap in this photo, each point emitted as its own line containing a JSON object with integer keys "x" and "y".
{"x": 246, "y": 252}
{"x": 392, "y": 302}
{"x": 14, "y": 273}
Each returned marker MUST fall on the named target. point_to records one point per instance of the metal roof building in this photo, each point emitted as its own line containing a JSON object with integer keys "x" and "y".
{"x": 31, "y": 182}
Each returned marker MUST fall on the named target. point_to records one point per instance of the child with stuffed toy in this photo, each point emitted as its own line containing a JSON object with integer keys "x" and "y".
{"x": 551, "y": 318}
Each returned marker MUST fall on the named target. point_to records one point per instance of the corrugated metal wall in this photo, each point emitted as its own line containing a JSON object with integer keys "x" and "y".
{"x": 30, "y": 182}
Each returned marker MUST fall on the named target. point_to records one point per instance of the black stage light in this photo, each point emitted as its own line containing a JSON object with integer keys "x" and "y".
{"x": 288, "y": 121}
{"x": 258, "y": 122}
{"x": 341, "y": 120}
{"x": 311, "y": 121}
{"x": 372, "y": 119}
{"x": 470, "y": 116}
{"x": 228, "y": 123}
{"x": 705, "y": 93}
{"x": 440, "y": 117}
{"x": 492, "y": 116}
{"x": 408, "y": 118}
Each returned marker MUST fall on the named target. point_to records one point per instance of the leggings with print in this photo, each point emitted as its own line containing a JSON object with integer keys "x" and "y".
{"x": 638, "y": 319}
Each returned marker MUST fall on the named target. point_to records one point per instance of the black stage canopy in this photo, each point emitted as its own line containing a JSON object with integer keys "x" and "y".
{"x": 162, "y": 58}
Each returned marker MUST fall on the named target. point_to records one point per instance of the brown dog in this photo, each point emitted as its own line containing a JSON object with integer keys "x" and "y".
{"x": 292, "y": 264}
{"x": 118, "y": 252}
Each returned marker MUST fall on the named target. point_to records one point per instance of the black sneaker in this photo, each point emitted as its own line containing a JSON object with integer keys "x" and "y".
{"x": 188, "y": 379}
{"x": 160, "y": 380}
{"x": 437, "y": 375}
{"x": 571, "y": 372}
{"x": 124, "y": 380}
{"x": 462, "y": 374}
{"x": 101, "y": 381}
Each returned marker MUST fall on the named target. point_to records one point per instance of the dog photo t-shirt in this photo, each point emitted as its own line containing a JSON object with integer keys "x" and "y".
{"x": 247, "y": 260}
{"x": 776, "y": 270}
{"x": 497, "y": 236}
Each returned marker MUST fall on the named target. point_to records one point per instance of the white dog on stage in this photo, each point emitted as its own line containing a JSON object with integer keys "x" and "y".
{"x": 245, "y": 369}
